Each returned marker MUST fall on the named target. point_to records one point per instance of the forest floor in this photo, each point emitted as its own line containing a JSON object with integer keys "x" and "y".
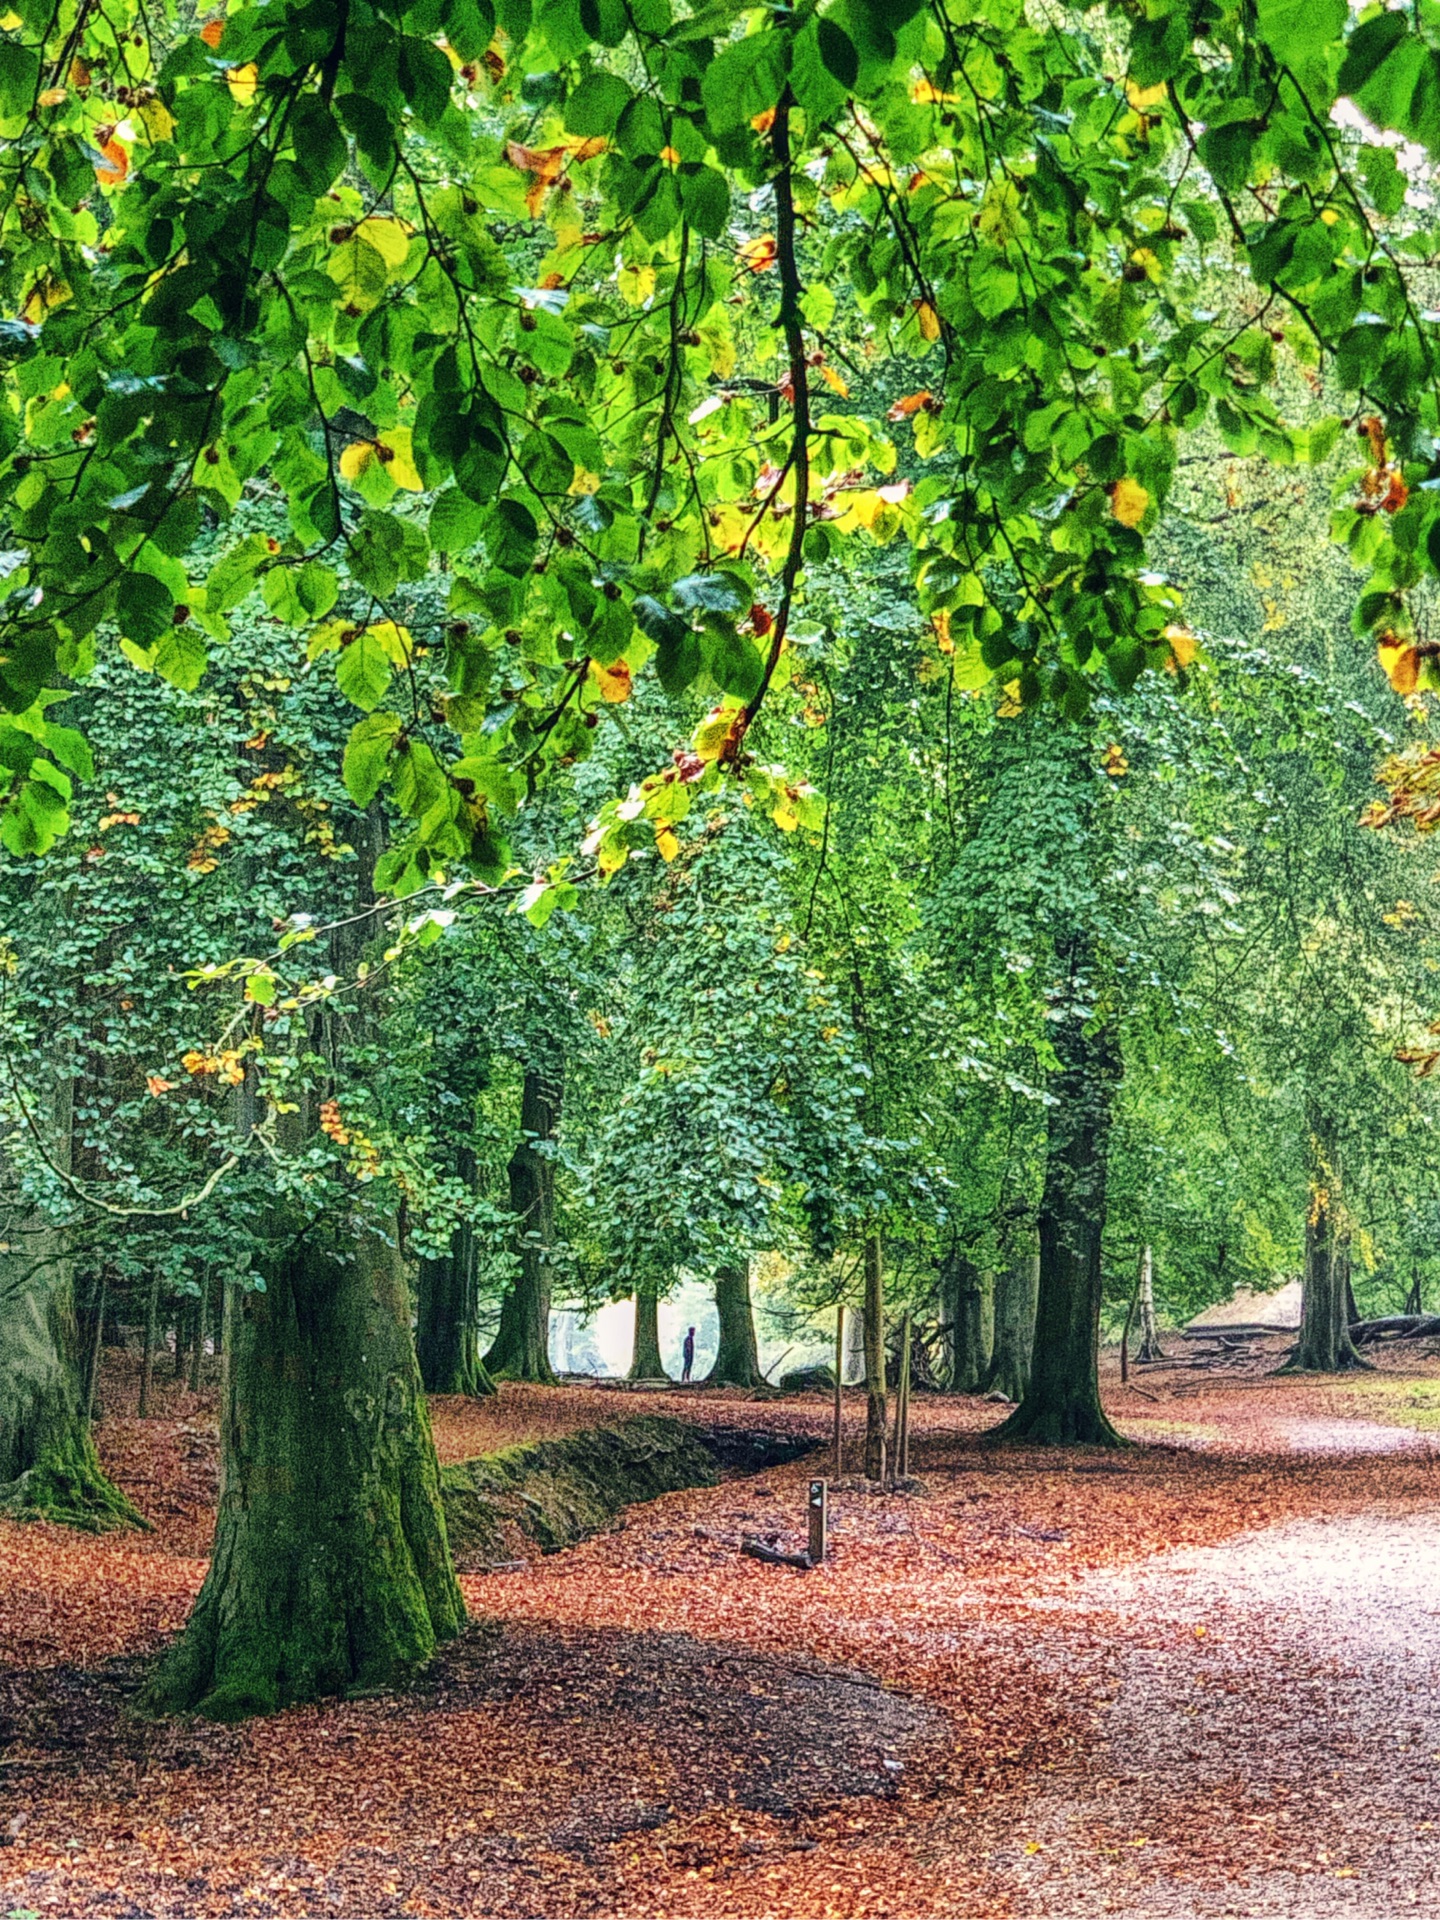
{"x": 1192, "y": 1679}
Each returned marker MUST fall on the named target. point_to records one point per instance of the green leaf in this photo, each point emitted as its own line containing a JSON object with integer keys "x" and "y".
{"x": 181, "y": 658}
{"x": 144, "y": 608}
{"x": 596, "y": 104}
{"x": 367, "y": 754}
{"x": 745, "y": 79}
{"x": 363, "y": 671}
{"x": 1297, "y": 30}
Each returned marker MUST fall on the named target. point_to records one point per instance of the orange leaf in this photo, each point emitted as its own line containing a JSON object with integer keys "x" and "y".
{"x": 912, "y": 403}
{"x": 155, "y": 1086}
{"x": 759, "y": 254}
{"x": 543, "y": 164}
{"x": 212, "y": 30}
{"x": 832, "y": 379}
{"x": 1397, "y": 494}
{"x": 118, "y": 163}
{"x": 611, "y": 683}
{"x": 1401, "y": 663}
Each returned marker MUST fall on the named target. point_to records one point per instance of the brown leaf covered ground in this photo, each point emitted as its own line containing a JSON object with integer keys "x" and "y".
{"x": 1185, "y": 1680}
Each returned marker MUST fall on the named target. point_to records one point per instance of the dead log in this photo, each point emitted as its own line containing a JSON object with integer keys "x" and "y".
{"x": 773, "y": 1556}
{"x": 1396, "y": 1326}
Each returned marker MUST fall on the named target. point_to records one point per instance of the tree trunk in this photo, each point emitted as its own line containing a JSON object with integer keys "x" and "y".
{"x": 197, "y": 1350}
{"x": 331, "y": 1569}
{"x": 522, "y": 1343}
{"x": 446, "y": 1333}
{"x": 1017, "y": 1287}
{"x": 854, "y": 1370}
{"x": 1150, "y": 1348}
{"x": 1325, "y": 1345}
{"x": 874, "y": 1318}
{"x": 646, "y": 1363}
{"x": 967, "y": 1292}
{"x": 1061, "y": 1403}
{"x": 48, "y": 1463}
{"x": 737, "y": 1360}
{"x": 147, "y": 1357}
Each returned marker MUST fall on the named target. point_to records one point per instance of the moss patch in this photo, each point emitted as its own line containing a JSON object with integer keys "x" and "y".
{"x": 554, "y": 1493}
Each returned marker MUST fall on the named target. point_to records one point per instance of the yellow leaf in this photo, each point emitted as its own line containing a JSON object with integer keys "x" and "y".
{"x": 636, "y": 284}
{"x": 712, "y": 736}
{"x": 1183, "y": 645}
{"x": 388, "y": 238}
{"x": 925, "y": 93}
{"x": 156, "y": 118}
{"x": 832, "y": 379}
{"x": 759, "y": 254}
{"x": 1142, "y": 98}
{"x": 394, "y": 641}
{"x": 356, "y": 459}
{"x": 611, "y": 683}
{"x": 242, "y": 82}
{"x": 666, "y": 844}
{"x": 928, "y": 321}
{"x": 52, "y": 97}
{"x": 395, "y": 450}
{"x": 1128, "y": 502}
{"x": 117, "y": 163}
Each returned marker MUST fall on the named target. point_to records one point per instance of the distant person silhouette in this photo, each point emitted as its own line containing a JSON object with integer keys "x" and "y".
{"x": 687, "y": 1354}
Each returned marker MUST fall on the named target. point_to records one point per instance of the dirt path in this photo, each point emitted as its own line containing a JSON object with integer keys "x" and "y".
{"x": 1272, "y": 1732}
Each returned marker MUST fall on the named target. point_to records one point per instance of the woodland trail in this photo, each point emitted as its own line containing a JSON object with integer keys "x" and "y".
{"x": 1191, "y": 1680}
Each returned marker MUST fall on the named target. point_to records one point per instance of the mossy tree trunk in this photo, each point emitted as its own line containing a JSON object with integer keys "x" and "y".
{"x": 967, "y": 1293}
{"x": 646, "y": 1363}
{"x": 1325, "y": 1345}
{"x": 331, "y": 1568}
{"x": 447, "y": 1340}
{"x": 1017, "y": 1288}
{"x": 1061, "y": 1402}
{"x": 737, "y": 1359}
{"x": 522, "y": 1343}
{"x": 48, "y": 1463}
{"x": 873, "y": 1318}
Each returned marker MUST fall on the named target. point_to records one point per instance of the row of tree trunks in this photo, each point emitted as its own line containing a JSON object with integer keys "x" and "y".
{"x": 968, "y": 1303}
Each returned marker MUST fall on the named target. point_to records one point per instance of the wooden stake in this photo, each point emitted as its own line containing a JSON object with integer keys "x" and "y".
{"x": 197, "y": 1352}
{"x": 819, "y": 1517}
{"x": 839, "y": 1374}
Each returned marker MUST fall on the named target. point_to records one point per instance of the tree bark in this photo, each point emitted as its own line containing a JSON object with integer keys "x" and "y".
{"x": 646, "y": 1363}
{"x": 1061, "y": 1403}
{"x": 1325, "y": 1345}
{"x": 331, "y": 1569}
{"x": 967, "y": 1291}
{"x": 1017, "y": 1287}
{"x": 447, "y": 1334}
{"x": 197, "y": 1350}
{"x": 522, "y": 1343}
{"x": 874, "y": 1322}
{"x": 48, "y": 1463}
{"x": 1150, "y": 1348}
{"x": 737, "y": 1359}
{"x": 147, "y": 1357}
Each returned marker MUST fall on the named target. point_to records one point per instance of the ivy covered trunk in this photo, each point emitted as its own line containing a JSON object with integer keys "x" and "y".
{"x": 645, "y": 1363}
{"x": 48, "y": 1463}
{"x": 331, "y": 1569}
{"x": 967, "y": 1294}
{"x": 737, "y": 1360}
{"x": 447, "y": 1310}
{"x": 1017, "y": 1288}
{"x": 873, "y": 1319}
{"x": 1061, "y": 1403}
{"x": 1325, "y": 1345}
{"x": 522, "y": 1343}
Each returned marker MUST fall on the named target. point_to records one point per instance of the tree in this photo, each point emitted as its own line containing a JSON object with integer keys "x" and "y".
{"x": 522, "y": 1345}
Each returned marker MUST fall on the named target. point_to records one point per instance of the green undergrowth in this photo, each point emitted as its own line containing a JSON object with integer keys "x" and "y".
{"x": 1401, "y": 1401}
{"x": 553, "y": 1493}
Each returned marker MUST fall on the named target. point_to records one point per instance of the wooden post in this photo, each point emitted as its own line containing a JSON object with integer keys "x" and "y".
{"x": 147, "y": 1364}
{"x": 839, "y": 1374}
{"x": 818, "y": 1521}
